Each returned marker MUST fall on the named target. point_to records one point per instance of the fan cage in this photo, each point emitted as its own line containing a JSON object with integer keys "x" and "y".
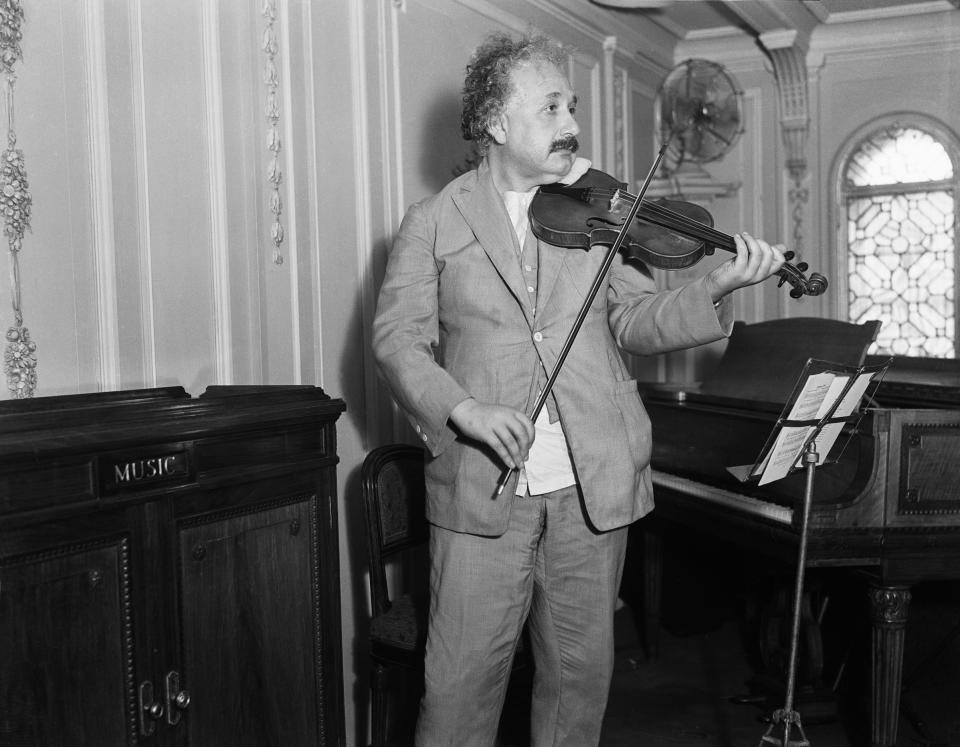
{"x": 699, "y": 112}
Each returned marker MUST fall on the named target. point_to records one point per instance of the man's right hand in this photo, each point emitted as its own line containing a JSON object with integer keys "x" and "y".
{"x": 507, "y": 431}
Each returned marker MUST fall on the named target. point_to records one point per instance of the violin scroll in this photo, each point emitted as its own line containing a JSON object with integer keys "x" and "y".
{"x": 800, "y": 285}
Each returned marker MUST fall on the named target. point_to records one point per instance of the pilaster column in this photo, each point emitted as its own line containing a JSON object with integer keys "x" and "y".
{"x": 789, "y": 64}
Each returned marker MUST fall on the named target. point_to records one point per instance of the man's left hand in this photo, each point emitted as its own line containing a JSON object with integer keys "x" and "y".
{"x": 756, "y": 260}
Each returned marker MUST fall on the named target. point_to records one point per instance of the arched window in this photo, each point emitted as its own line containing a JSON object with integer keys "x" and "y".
{"x": 898, "y": 200}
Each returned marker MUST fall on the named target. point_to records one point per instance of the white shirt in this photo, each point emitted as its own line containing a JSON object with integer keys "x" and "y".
{"x": 548, "y": 466}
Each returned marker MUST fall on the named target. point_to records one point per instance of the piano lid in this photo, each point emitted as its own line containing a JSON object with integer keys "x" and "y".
{"x": 763, "y": 361}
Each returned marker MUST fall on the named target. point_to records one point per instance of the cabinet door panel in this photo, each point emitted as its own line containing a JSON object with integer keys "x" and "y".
{"x": 249, "y": 628}
{"x": 65, "y": 648}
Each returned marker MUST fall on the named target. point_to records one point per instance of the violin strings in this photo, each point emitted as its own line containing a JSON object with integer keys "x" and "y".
{"x": 668, "y": 218}
{"x": 694, "y": 227}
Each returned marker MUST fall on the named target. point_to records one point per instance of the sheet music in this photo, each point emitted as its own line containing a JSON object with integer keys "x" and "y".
{"x": 816, "y": 399}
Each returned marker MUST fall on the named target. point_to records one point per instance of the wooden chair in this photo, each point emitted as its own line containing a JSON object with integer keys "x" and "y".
{"x": 393, "y": 500}
{"x": 394, "y": 496}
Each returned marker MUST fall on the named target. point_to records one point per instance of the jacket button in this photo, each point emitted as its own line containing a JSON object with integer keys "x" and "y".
{"x": 538, "y": 336}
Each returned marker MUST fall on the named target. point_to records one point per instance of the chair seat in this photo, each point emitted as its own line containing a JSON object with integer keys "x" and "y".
{"x": 403, "y": 626}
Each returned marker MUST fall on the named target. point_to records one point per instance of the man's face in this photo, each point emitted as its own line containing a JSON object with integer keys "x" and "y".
{"x": 537, "y": 128}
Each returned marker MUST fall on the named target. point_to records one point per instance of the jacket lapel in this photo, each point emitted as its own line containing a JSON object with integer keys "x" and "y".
{"x": 484, "y": 211}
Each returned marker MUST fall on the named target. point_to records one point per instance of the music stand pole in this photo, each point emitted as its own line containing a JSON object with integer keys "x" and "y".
{"x": 787, "y": 716}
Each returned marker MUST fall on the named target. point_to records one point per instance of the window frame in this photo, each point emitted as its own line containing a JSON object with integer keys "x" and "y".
{"x": 838, "y": 200}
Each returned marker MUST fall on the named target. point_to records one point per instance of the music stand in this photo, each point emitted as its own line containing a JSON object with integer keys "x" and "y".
{"x": 826, "y": 398}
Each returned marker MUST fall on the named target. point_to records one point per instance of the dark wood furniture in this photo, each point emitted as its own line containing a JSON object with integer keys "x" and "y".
{"x": 889, "y": 508}
{"x": 394, "y": 495}
{"x": 169, "y": 569}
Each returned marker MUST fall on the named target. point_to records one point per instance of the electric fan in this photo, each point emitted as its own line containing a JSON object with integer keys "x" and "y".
{"x": 699, "y": 111}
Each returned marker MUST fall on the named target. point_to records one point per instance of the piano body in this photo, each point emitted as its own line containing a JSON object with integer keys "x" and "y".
{"x": 888, "y": 506}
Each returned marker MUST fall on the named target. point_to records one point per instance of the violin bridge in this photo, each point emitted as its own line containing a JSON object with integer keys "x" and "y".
{"x": 618, "y": 203}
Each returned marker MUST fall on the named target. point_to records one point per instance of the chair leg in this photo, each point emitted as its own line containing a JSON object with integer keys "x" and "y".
{"x": 378, "y": 705}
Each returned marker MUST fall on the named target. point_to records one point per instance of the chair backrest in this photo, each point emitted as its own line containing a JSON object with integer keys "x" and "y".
{"x": 393, "y": 491}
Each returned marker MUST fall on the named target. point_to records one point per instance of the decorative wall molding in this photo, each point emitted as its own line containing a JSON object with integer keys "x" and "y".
{"x": 882, "y": 39}
{"x": 749, "y": 304}
{"x": 487, "y": 9}
{"x": 271, "y": 77}
{"x": 145, "y": 243}
{"x": 621, "y": 113}
{"x": 101, "y": 196}
{"x": 788, "y": 56}
{"x": 648, "y": 51}
{"x": 20, "y": 353}
{"x": 359, "y": 82}
{"x": 611, "y": 109}
{"x": 281, "y": 165}
{"x": 691, "y": 182}
{"x": 217, "y": 188}
{"x": 315, "y": 201}
{"x": 595, "y": 71}
{"x": 736, "y": 51}
{"x": 290, "y": 164}
{"x": 392, "y": 120}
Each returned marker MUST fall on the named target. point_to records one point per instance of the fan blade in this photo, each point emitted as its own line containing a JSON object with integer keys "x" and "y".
{"x": 727, "y": 141}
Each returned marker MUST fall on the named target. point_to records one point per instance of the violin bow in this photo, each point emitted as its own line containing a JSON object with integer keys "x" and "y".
{"x": 585, "y": 308}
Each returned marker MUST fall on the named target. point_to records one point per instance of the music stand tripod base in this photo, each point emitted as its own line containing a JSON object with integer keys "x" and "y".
{"x": 787, "y": 717}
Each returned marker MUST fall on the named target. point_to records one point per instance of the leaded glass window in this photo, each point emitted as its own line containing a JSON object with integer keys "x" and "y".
{"x": 899, "y": 190}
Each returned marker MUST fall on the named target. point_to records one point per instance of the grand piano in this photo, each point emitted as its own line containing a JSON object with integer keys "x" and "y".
{"x": 887, "y": 508}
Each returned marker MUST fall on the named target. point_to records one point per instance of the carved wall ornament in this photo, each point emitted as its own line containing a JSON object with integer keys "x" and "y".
{"x": 788, "y": 56}
{"x": 20, "y": 352}
{"x": 620, "y": 123}
{"x": 271, "y": 77}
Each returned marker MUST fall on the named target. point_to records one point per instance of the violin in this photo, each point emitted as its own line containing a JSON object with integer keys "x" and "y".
{"x": 667, "y": 234}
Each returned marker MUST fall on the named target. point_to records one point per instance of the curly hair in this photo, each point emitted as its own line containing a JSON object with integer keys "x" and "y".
{"x": 487, "y": 85}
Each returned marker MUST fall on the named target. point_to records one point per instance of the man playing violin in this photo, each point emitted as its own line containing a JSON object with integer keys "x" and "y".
{"x": 471, "y": 317}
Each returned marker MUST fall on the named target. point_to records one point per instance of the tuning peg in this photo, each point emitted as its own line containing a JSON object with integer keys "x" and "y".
{"x": 788, "y": 255}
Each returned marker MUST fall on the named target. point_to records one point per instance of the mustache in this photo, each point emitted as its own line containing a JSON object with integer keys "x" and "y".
{"x": 569, "y": 143}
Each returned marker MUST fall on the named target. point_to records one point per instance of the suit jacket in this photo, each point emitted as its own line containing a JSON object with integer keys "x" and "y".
{"x": 454, "y": 321}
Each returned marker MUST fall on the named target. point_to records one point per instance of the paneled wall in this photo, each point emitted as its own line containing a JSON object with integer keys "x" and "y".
{"x": 152, "y": 259}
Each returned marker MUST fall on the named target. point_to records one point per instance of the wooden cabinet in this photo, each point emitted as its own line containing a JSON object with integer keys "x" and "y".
{"x": 169, "y": 569}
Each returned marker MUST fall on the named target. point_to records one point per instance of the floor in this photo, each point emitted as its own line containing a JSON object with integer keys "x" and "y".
{"x": 693, "y": 693}
{"x": 700, "y": 690}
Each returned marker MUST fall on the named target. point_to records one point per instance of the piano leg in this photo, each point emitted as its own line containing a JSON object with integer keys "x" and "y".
{"x": 889, "y": 606}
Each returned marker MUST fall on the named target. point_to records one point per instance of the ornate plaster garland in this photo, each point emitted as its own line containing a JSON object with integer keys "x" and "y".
{"x": 20, "y": 353}
{"x": 272, "y": 109}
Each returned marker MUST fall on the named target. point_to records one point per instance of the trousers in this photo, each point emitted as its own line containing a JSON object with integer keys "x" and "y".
{"x": 555, "y": 573}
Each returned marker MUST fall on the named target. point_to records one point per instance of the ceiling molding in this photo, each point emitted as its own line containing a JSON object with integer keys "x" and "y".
{"x": 653, "y": 51}
{"x": 886, "y": 37}
{"x": 765, "y": 16}
{"x": 898, "y": 12}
